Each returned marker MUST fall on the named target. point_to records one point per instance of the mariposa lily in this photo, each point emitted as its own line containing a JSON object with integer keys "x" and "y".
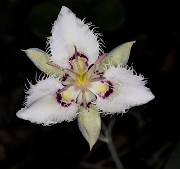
{"x": 81, "y": 81}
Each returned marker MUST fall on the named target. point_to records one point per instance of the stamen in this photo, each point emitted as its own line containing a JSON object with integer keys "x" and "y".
{"x": 68, "y": 71}
{"x": 76, "y": 57}
{"x": 91, "y": 71}
{"x": 71, "y": 73}
{"x": 50, "y": 63}
{"x": 98, "y": 79}
{"x": 100, "y": 58}
{"x": 63, "y": 89}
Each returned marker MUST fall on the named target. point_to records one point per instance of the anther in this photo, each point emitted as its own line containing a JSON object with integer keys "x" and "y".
{"x": 100, "y": 58}
{"x": 91, "y": 71}
{"x": 98, "y": 79}
{"x": 76, "y": 57}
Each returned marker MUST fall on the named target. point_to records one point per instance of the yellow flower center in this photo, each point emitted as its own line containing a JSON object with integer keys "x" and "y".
{"x": 80, "y": 69}
{"x": 82, "y": 78}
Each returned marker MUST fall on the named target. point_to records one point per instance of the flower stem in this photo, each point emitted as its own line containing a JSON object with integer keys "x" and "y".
{"x": 114, "y": 153}
{"x": 107, "y": 131}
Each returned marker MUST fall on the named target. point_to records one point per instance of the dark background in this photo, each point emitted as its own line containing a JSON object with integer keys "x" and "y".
{"x": 146, "y": 137}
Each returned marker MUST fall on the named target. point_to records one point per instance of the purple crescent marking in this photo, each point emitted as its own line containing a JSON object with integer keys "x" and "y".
{"x": 108, "y": 92}
{"x": 85, "y": 58}
{"x": 60, "y": 100}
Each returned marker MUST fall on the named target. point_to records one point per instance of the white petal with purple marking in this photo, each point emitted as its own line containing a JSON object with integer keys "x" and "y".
{"x": 128, "y": 90}
{"x": 47, "y": 86}
{"x": 69, "y": 31}
{"x": 47, "y": 111}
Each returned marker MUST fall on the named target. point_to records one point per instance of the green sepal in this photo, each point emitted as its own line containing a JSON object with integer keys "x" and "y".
{"x": 89, "y": 122}
{"x": 40, "y": 60}
{"x": 118, "y": 56}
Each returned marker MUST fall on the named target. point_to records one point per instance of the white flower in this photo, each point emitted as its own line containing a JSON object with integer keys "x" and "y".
{"x": 79, "y": 83}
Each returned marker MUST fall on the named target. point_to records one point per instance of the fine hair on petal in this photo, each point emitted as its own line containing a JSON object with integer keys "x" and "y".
{"x": 94, "y": 28}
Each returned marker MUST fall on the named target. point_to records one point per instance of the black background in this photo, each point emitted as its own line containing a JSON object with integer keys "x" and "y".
{"x": 142, "y": 134}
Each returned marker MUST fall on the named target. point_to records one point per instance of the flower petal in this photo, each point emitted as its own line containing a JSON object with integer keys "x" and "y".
{"x": 128, "y": 90}
{"x": 69, "y": 31}
{"x": 67, "y": 95}
{"x": 48, "y": 86}
{"x": 47, "y": 110}
{"x": 102, "y": 88}
{"x": 118, "y": 56}
{"x": 40, "y": 59}
{"x": 89, "y": 122}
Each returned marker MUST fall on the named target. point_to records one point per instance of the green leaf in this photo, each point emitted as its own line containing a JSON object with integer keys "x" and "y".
{"x": 40, "y": 59}
{"x": 89, "y": 124}
{"x": 118, "y": 56}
